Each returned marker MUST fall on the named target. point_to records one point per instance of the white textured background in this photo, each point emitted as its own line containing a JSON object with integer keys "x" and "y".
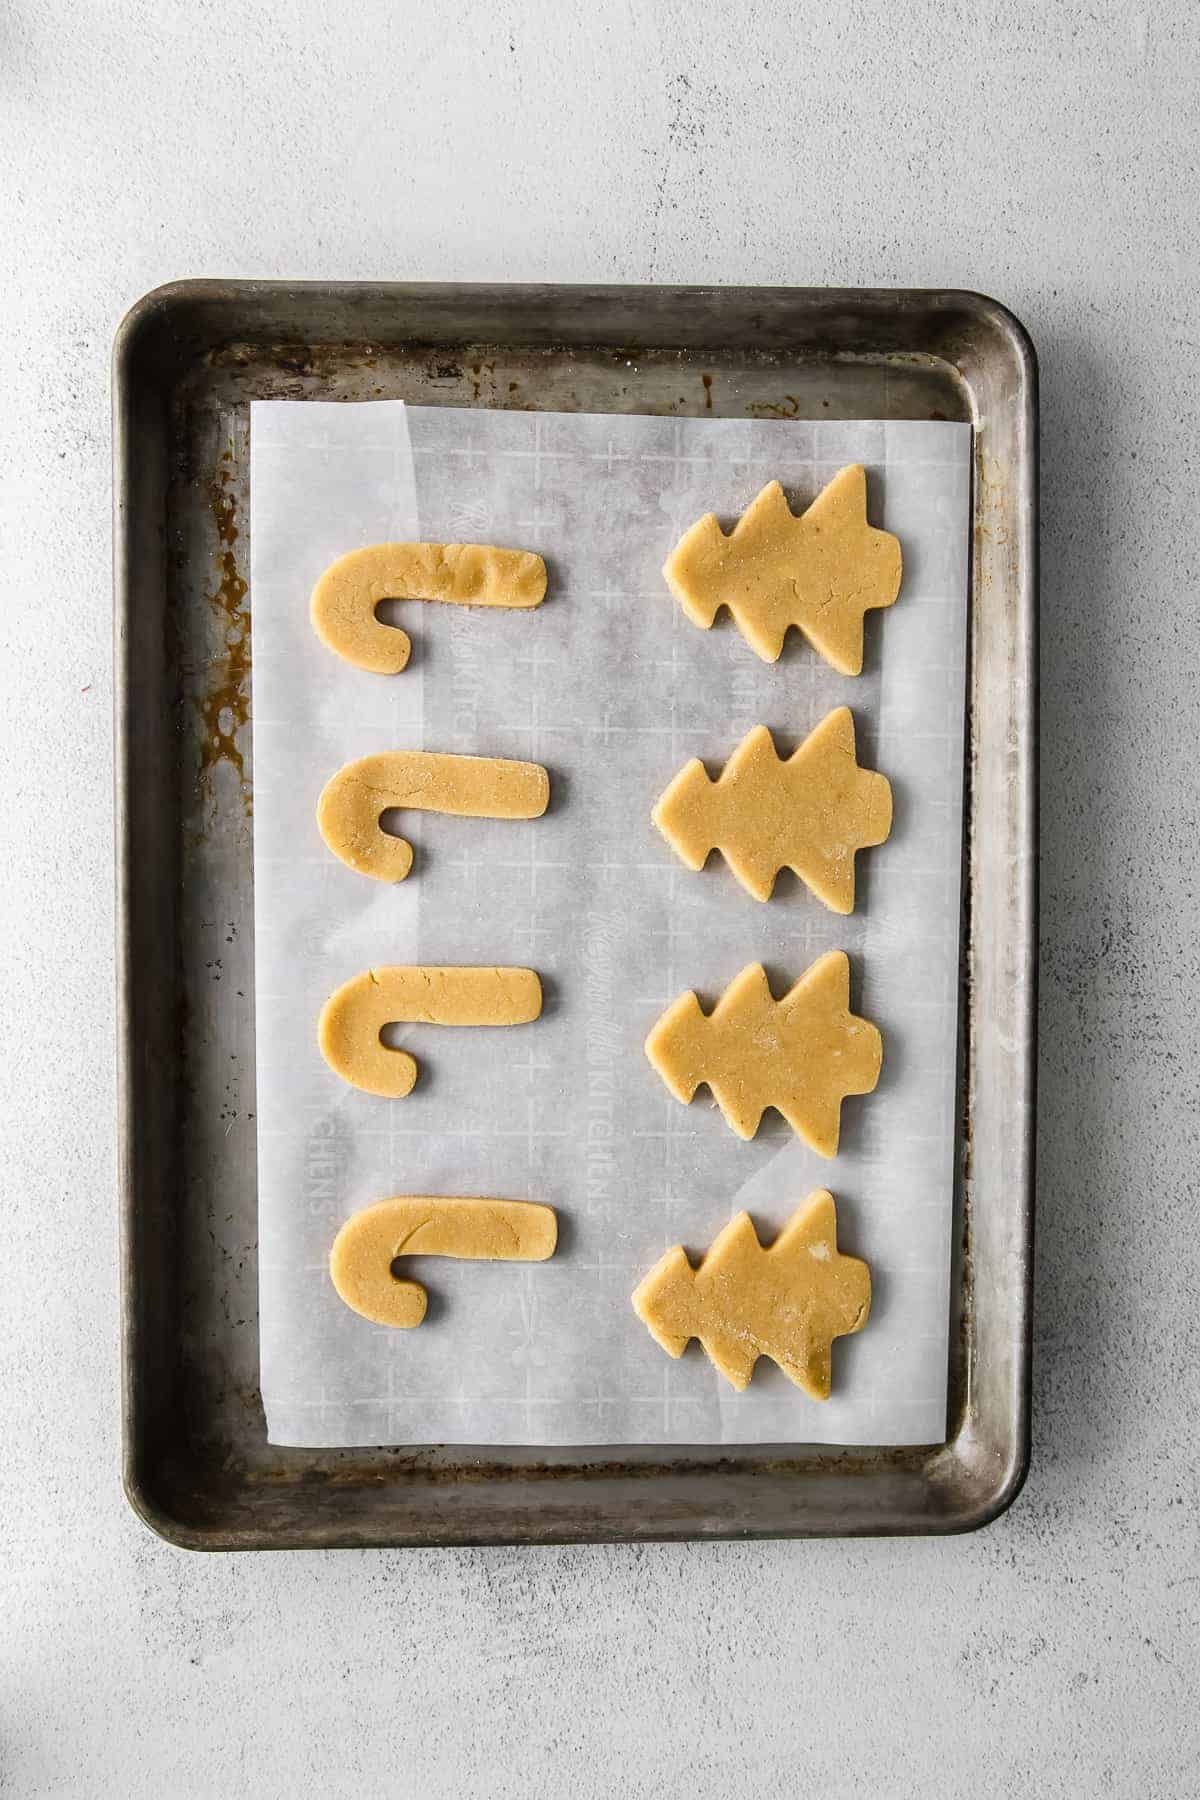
{"x": 1048, "y": 155}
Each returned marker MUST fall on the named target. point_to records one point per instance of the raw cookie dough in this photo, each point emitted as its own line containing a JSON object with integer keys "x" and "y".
{"x": 360, "y": 1263}
{"x": 743, "y": 1302}
{"x": 477, "y": 787}
{"x": 821, "y": 571}
{"x": 344, "y": 599}
{"x": 352, "y": 1018}
{"x": 810, "y": 813}
{"x": 802, "y": 1054}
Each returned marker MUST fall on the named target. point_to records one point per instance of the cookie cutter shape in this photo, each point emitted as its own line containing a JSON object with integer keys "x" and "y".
{"x": 477, "y": 787}
{"x": 821, "y": 570}
{"x": 787, "y": 1302}
{"x": 369, "y": 1243}
{"x": 802, "y": 1054}
{"x": 810, "y": 813}
{"x": 353, "y": 1018}
{"x": 344, "y": 600}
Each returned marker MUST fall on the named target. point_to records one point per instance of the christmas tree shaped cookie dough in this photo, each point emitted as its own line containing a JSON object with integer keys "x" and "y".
{"x": 370, "y": 1242}
{"x": 810, "y": 813}
{"x": 802, "y": 1054}
{"x": 788, "y": 1302}
{"x": 821, "y": 571}
{"x": 343, "y": 602}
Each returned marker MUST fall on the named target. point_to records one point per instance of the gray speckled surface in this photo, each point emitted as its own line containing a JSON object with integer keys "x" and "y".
{"x": 1048, "y": 156}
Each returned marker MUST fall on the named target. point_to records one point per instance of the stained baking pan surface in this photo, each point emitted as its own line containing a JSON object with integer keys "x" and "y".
{"x": 188, "y": 361}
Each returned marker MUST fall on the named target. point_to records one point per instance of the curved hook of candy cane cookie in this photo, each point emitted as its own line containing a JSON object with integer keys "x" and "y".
{"x": 353, "y": 1018}
{"x": 476, "y": 787}
{"x": 369, "y": 1243}
{"x": 344, "y": 600}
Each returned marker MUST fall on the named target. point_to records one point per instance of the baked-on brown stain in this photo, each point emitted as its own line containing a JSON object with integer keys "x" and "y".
{"x": 225, "y": 701}
{"x": 787, "y": 408}
{"x": 707, "y": 380}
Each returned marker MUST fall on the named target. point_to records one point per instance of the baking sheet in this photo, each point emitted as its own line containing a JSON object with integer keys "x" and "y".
{"x": 613, "y": 690}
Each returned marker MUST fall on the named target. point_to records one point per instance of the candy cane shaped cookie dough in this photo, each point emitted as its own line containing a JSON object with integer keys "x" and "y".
{"x": 360, "y": 1263}
{"x": 477, "y": 787}
{"x": 353, "y": 1017}
{"x": 344, "y": 600}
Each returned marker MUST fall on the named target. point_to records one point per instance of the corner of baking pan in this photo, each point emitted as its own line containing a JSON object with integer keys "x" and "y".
{"x": 998, "y": 321}
{"x": 146, "y": 328}
{"x": 155, "y": 1515}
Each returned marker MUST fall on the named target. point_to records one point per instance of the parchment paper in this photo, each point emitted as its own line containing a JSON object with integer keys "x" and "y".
{"x": 612, "y": 689}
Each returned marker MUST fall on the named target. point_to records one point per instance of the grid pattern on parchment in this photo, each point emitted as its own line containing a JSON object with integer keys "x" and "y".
{"x": 611, "y": 688}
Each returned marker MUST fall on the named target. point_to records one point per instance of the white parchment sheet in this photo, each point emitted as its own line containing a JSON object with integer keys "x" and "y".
{"x": 612, "y": 689}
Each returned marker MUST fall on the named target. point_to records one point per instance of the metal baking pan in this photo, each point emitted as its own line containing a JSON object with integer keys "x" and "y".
{"x": 189, "y": 359}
